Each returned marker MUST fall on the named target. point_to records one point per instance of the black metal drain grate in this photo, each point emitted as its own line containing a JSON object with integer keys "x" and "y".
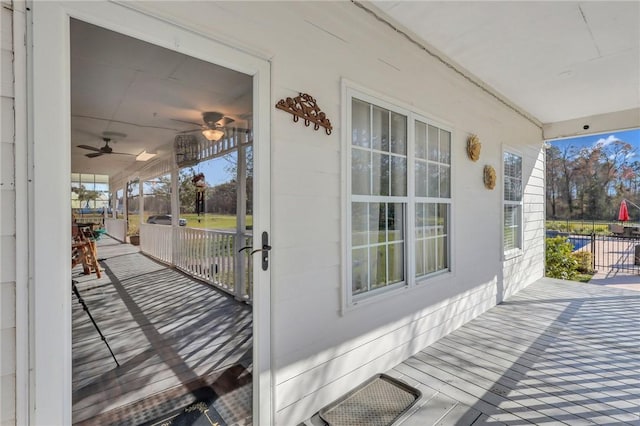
{"x": 378, "y": 402}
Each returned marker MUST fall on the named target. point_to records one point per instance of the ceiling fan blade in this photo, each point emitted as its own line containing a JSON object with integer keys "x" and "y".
{"x": 94, "y": 154}
{"x": 187, "y": 122}
{"x": 90, "y": 148}
{"x": 225, "y": 121}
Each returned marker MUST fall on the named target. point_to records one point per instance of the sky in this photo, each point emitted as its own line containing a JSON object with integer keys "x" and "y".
{"x": 630, "y": 136}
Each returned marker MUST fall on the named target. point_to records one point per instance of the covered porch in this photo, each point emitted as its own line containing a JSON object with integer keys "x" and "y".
{"x": 558, "y": 352}
{"x": 177, "y": 340}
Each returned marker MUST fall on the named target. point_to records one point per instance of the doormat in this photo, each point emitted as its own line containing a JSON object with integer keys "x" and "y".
{"x": 379, "y": 401}
{"x": 198, "y": 413}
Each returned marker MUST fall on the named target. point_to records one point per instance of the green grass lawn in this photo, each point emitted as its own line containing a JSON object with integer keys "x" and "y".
{"x": 207, "y": 221}
{"x": 213, "y": 221}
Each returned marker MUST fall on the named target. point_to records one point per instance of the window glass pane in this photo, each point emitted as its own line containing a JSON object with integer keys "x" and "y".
{"x": 378, "y": 266}
{"x": 380, "y": 184}
{"x": 421, "y": 220}
{"x": 398, "y": 133}
{"x": 433, "y": 145}
{"x": 445, "y": 147}
{"x": 398, "y": 176}
{"x": 512, "y": 189}
{"x": 87, "y": 179}
{"x": 445, "y": 182}
{"x": 433, "y": 180}
{"x": 431, "y": 238}
{"x": 442, "y": 219}
{"x": 359, "y": 223}
{"x": 420, "y": 270}
{"x": 512, "y": 226}
{"x": 396, "y": 221}
{"x": 441, "y": 257}
{"x": 360, "y": 123}
{"x": 430, "y": 255}
{"x": 380, "y": 139}
{"x": 431, "y": 220}
{"x": 360, "y": 270}
{"x": 421, "y": 140}
{"x": 396, "y": 262}
{"x": 360, "y": 172}
{"x": 377, "y": 223}
{"x": 421, "y": 178}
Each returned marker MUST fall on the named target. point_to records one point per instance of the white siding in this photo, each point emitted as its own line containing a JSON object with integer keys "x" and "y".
{"x": 318, "y": 353}
{"x": 7, "y": 225}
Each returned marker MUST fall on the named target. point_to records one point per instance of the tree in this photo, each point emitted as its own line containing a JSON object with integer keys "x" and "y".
{"x": 85, "y": 195}
{"x": 591, "y": 180}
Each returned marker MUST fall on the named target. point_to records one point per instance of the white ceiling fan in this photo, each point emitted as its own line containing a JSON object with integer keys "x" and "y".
{"x": 212, "y": 127}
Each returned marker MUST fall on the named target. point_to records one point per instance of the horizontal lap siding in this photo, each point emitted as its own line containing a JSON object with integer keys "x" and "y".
{"x": 7, "y": 224}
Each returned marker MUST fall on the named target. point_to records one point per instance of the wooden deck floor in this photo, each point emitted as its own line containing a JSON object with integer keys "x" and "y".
{"x": 171, "y": 335}
{"x": 556, "y": 353}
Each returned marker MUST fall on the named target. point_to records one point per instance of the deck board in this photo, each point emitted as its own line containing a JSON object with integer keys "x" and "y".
{"x": 555, "y": 353}
{"x": 170, "y": 333}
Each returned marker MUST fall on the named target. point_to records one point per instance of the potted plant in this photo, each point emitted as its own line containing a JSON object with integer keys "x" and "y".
{"x": 134, "y": 235}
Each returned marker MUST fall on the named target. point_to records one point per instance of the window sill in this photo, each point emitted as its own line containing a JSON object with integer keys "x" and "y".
{"x": 512, "y": 254}
{"x": 395, "y": 291}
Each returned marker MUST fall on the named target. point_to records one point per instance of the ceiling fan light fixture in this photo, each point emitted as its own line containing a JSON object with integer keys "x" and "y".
{"x": 145, "y": 156}
{"x": 213, "y": 134}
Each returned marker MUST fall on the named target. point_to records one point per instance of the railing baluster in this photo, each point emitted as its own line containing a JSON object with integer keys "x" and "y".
{"x": 205, "y": 254}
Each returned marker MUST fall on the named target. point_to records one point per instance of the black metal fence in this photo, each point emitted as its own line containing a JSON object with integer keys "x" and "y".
{"x": 616, "y": 252}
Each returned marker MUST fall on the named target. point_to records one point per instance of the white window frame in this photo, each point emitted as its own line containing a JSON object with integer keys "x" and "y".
{"x": 516, "y": 251}
{"x": 349, "y": 91}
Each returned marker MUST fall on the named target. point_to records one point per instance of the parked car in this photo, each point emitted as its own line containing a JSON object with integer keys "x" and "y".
{"x": 165, "y": 219}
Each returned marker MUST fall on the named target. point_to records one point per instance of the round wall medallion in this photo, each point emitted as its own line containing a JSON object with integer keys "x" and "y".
{"x": 473, "y": 147}
{"x": 489, "y": 177}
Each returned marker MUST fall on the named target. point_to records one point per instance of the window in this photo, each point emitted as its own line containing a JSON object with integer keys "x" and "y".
{"x": 396, "y": 174}
{"x": 512, "y": 234}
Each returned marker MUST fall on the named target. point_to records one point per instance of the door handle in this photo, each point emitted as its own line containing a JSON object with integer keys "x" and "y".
{"x": 264, "y": 250}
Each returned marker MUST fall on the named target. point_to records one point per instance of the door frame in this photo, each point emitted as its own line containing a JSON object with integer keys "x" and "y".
{"x": 48, "y": 373}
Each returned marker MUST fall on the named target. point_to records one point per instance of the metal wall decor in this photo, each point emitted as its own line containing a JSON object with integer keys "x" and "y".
{"x": 305, "y": 107}
{"x": 489, "y": 177}
{"x": 473, "y": 147}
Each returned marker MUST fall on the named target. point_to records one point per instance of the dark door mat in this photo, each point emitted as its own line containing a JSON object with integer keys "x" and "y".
{"x": 379, "y": 401}
{"x": 201, "y": 412}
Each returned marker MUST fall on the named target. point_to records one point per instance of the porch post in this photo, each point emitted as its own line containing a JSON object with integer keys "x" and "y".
{"x": 175, "y": 212}
{"x": 140, "y": 203}
{"x": 241, "y": 214}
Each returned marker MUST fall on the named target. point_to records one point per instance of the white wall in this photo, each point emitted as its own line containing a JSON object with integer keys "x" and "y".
{"x": 7, "y": 224}
{"x": 319, "y": 353}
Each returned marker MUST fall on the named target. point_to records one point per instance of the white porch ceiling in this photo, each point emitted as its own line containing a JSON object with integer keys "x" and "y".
{"x": 123, "y": 85}
{"x": 556, "y": 60}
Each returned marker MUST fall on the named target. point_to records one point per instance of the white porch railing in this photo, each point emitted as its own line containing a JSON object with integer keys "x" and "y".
{"x": 156, "y": 241}
{"x": 116, "y": 228}
{"x": 205, "y": 254}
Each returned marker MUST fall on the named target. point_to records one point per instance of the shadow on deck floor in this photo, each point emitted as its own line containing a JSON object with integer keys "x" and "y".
{"x": 171, "y": 334}
{"x": 558, "y": 352}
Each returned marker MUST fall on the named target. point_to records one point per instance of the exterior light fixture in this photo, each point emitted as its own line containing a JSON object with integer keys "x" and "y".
{"x": 145, "y": 156}
{"x": 213, "y": 134}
